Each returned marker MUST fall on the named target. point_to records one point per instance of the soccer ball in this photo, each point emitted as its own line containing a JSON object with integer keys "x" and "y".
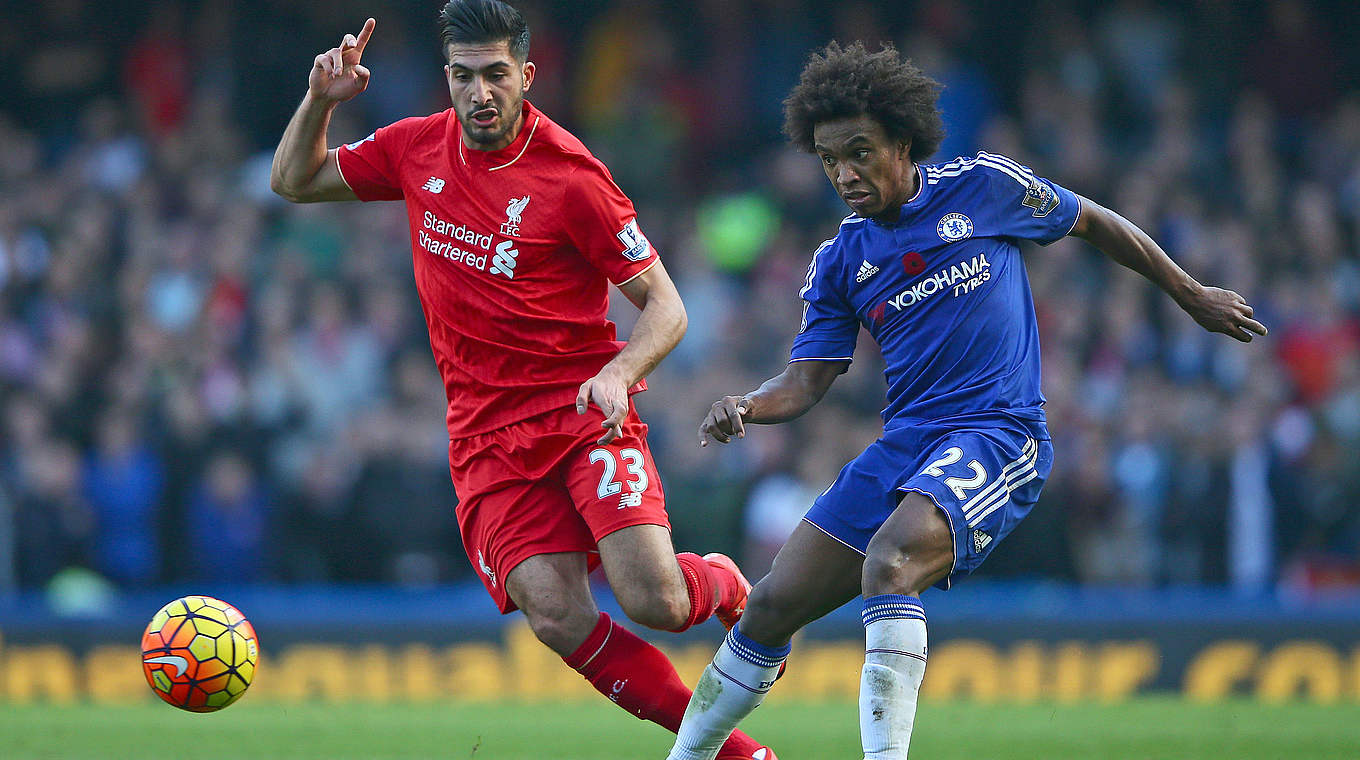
{"x": 199, "y": 653}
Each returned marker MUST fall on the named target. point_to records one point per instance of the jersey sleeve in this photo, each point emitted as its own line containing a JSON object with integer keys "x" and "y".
{"x": 369, "y": 166}
{"x": 829, "y": 328}
{"x": 1028, "y": 207}
{"x": 602, "y": 224}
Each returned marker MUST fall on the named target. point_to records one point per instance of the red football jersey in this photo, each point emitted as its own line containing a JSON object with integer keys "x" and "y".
{"x": 513, "y": 252}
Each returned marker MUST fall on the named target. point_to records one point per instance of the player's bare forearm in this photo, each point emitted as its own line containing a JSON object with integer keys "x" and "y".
{"x": 784, "y": 397}
{"x": 658, "y": 330}
{"x": 1215, "y": 309}
{"x": 302, "y": 154}
{"x": 659, "y": 327}
{"x": 791, "y": 393}
{"x": 1130, "y": 247}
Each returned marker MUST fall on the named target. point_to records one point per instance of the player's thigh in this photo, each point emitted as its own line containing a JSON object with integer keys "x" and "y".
{"x": 513, "y": 519}
{"x": 554, "y": 594}
{"x": 639, "y": 561}
{"x": 980, "y": 483}
{"x": 912, "y": 550}
{"x": 812, "y": 575}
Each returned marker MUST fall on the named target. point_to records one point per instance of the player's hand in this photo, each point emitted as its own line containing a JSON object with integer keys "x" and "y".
{"x": 336, "y": 74}
{"x": 723, "y": 422}
{"x": 609, "y": 392}
{"x": 1223, "y": 311}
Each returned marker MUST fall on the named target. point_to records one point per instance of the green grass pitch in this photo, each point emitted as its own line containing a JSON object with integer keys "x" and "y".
{"x": 1142, "y": 729}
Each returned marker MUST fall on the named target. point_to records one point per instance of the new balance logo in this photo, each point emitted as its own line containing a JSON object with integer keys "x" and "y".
{"x": 866, "y": 270}
{"x": 630, "y": 499}
{"x": 505, "y": 260}
{"x": 980, "y": 540}
{"x": 434, "y": 185}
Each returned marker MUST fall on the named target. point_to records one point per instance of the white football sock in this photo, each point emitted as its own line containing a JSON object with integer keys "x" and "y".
{"x": 894, "y": 664}
{"x": 731, "y": 687}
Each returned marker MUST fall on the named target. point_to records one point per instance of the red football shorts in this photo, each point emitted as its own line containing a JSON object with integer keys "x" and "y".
{"x": 543, "y": 485}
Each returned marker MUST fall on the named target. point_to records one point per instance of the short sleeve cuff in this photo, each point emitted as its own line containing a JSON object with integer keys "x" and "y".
{"x": 363, "y": 179}
{"x": 639, "y": 271}
{"x": 821, "y": 350}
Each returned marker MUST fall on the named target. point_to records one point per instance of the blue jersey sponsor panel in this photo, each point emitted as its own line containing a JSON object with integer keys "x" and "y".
{"x": 943, "y": 291}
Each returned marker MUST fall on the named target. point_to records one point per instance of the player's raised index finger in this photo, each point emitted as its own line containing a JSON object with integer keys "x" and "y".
{"x": 364, "y": 34}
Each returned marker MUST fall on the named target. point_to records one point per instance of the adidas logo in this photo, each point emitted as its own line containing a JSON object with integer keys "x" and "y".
{"x": 980, "y": 540}
{"x": 866, "y": 270}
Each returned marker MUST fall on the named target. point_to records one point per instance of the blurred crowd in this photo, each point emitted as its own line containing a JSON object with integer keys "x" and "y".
{"x": 199, "y": 381}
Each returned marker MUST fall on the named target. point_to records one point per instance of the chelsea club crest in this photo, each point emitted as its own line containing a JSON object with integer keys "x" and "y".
{"x": 954, "y": 227}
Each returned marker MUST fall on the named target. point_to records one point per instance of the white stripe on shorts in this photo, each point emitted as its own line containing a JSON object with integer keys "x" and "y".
{"x": 1027, "y": 453}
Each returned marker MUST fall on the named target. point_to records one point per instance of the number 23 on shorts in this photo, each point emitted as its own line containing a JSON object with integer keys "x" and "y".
{"x": 635, "y": 475}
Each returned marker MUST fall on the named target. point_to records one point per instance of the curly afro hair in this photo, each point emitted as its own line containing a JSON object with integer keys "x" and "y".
{"x": 845, "y": 82}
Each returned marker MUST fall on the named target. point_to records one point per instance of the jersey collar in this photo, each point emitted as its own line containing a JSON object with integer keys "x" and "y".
{"x": 495, "y": 160}
{"x": 913, "y": 203}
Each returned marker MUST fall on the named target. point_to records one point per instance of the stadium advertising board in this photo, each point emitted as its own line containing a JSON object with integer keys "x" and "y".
{"x": 1000, "y": 661}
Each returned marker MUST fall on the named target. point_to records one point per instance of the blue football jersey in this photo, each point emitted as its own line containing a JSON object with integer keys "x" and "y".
{"x": 943, "y": 292}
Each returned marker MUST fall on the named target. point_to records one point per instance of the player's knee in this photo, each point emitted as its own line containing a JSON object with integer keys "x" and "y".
{"x": 661, "y": 607}
{"x": 895, "y": 567}
{"x": 560, "y": 625}
{"x": 772, "y": 616}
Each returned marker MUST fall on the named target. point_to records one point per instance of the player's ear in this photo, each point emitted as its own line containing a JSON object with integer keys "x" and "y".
{"x": 904, "y": 148}
{"x": 528, "y": 74}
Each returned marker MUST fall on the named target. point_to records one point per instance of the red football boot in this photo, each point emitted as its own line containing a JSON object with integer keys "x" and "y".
{"x": 763, "y": 753}
{"x": 729, "y": 612}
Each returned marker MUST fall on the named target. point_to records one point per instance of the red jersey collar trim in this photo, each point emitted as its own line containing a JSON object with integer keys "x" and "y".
{"x": 503, "y": 157}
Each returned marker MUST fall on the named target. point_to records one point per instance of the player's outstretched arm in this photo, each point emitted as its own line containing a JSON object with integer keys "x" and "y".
{"x": 304, "y": 171}
{"x": 657, "y": 331}
{"x": 784, "y": 397}
{"x": 1215, "y": 309}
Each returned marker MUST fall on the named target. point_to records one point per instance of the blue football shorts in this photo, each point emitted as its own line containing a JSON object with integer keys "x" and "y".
{"x": 984, "y": 479}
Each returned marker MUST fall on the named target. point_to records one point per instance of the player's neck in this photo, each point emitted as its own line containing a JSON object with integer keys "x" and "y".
{"x": 892, "y": 213}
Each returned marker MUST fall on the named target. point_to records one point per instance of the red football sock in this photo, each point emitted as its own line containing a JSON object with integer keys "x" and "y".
{"x": 700, "y": 581}
{"x": 637, "y": 677}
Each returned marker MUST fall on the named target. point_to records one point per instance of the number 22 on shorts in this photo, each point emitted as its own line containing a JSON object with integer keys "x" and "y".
{"x": 957, "y": 485}
{"x": 634, "y": 464}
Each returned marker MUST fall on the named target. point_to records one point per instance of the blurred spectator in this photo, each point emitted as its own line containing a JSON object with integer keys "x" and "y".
{"x": 54, "y": 522}
{"x": 404, "y": 497}
{"x": 228, "y": 521}
{"x": 123, "y": 481}
{"x": 157, "y": 71}
{"x": 1294, "y": 63}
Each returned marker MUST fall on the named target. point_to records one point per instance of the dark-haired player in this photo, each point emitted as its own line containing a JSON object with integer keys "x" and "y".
{"x": 928, "y": 263}
{"x": 517, "y": 232}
